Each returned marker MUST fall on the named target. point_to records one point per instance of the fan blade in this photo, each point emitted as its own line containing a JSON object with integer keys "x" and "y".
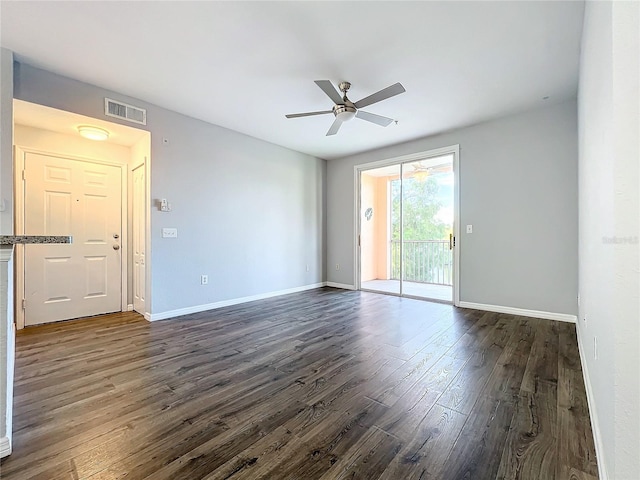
{"x": 307, "y": 114}
{"x": 337, "y": 123}
{"x": 383, "y": 94}
{"x": 330, "y": 90}
{"x": 373, "y": 118}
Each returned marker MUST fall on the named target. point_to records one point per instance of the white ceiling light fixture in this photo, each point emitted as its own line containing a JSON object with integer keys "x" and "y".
{"x": 93, "y": 133}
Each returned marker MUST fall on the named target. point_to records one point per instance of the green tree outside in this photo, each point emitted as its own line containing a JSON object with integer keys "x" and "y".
{"x": 420, "y": 207}
{"x": 423, "y": 262}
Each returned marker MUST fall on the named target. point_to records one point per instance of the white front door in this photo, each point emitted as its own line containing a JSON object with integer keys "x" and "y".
{"x": 139, "y": 230}
{"x": 82, "y": 199}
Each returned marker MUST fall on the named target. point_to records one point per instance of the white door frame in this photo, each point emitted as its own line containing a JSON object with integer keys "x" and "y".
{"x": 438, "y": 152}
{"x": 19, "y": 155}
{"x": 147, "y": 235}
{"x": 134, "y": 199}
{"x": 146, "y": 164}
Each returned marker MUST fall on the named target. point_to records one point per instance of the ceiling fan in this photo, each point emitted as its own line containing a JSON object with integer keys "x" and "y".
{"x": 344, "y": 109}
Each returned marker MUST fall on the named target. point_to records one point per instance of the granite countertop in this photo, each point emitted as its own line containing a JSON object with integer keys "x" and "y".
{"x": 15, "y": 239}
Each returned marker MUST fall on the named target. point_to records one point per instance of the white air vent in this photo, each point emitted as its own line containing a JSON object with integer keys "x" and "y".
{"x": 124, "y": 111}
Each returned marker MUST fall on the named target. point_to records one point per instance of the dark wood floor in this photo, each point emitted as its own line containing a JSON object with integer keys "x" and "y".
{"x": 323, "y": 384}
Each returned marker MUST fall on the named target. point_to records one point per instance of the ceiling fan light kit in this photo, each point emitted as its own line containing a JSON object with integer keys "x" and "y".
{"x": 344, "y": 109}
{"x": 344, "y": 112}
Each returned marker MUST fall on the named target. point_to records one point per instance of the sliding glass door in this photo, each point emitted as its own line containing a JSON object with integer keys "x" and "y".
{"x": 407, "y": 228}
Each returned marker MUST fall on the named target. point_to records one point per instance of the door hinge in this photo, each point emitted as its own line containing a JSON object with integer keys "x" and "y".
{"x": 24, "y": 304}
{"x": 454, "y": 241}
{"x": 24, "y": 176}
{"x": 359, "y": 238}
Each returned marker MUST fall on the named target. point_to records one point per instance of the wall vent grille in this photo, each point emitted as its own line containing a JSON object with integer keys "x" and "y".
{"x": 121, "y": 110}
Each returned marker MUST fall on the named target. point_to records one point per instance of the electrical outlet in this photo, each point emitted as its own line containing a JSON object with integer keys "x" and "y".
{"x": 307, "y": 267}
{"x": 578, "y": 299}
{"x": 337, "y": 266}
{"x": 169, "y": 233}
{"x": 204, "y": 279}
{"x": 595, "y": 347}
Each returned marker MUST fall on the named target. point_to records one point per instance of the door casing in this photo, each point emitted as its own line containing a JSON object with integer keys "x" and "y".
{"x": 139, "y": 204}
{"x": 438, "y": 152}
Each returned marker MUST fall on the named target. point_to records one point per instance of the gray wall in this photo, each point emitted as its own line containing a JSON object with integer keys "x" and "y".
{"x": 518, "y": 188}
{"x": 6, "y": 142}
{"x": 249, "y": 214}
{"x": 6, "y": 227}
{"x": 609, "y": 181}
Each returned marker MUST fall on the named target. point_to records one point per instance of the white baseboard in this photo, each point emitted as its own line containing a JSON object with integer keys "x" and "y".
{"x": 561, "y": 317}
{"x": 226, "y": 303}
{"x": 130, "y": 307}
{"x": 5, "y": 447}
{"x": 340, "y": 285}
{"x": 593, "y": 413}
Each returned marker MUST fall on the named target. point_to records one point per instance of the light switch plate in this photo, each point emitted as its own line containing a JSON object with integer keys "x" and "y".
{"x": 469, "y": 228}
{"x": 169, "y": 233}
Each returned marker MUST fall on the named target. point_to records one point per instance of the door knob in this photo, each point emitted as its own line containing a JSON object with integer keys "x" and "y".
{"x": 116, "y": 247}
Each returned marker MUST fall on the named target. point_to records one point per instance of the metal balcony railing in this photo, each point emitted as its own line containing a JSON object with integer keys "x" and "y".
{"x": 425, "y": 261}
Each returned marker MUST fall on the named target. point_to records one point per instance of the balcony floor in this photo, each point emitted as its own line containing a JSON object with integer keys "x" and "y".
{"x": 413, "y": 289}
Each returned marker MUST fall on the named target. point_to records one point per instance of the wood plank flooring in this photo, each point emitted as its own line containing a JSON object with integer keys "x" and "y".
{"x": 325, "y": 384}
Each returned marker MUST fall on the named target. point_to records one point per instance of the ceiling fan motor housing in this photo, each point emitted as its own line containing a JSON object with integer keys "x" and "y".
{"x": 344, "y": 86}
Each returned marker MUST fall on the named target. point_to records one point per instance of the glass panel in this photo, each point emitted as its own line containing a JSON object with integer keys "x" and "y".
{"x": 378, "y": 259}
{"x": 427, "y": 223}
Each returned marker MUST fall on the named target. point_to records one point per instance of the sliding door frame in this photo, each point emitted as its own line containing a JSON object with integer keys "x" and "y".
{"x": 438, "y": 152}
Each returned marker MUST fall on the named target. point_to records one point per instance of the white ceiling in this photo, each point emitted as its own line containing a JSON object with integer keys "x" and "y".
{"x": 244, "y": 65}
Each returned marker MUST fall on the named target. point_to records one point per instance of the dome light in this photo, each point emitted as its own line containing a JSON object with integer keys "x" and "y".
{"x": 93, "y": 133}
